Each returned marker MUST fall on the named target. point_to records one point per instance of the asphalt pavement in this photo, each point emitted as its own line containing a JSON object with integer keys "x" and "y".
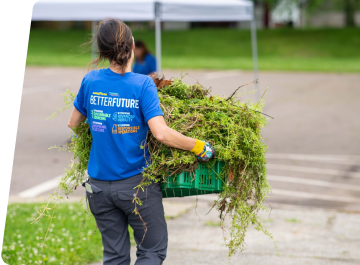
{"x": 313, "y": 163}
{"x": 314, "y": 146}
{"x": 303, "y": 237}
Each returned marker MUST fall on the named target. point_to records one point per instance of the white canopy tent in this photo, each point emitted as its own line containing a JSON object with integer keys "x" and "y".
{"x": 150, "y": 10}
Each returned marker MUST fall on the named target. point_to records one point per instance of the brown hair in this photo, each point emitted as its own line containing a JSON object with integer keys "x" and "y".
{"x": 114, "y": 43}
{"x": 142, "y": 45}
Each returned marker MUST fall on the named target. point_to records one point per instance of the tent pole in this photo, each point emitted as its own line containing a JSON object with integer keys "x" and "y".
{"x": 93, "y": 47}
{"x": 158, "y": 35}
{"x": 255, "y": 54}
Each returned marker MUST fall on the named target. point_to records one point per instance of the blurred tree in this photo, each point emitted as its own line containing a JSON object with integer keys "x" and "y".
{"x": 349, "y": 7}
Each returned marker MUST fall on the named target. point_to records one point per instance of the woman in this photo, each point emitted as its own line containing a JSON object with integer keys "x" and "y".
{"x": 145, "y": 63}
{"x": 121, "y": 107}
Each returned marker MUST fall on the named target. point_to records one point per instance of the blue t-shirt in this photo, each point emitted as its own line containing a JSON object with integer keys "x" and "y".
{"x": 147, "y": 66}
{"x": 118, "y": 108}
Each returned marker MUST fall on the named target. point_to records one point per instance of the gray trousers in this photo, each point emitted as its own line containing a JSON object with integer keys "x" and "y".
{"x": 112, "y": 206}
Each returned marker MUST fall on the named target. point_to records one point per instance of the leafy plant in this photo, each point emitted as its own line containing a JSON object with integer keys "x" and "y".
{"x": 232, "y": 127}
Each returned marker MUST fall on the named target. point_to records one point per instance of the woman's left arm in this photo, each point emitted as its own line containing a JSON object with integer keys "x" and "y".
{"x": 76, "y": 118}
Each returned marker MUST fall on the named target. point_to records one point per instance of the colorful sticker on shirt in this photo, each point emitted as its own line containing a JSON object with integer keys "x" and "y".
{"x": 124, "y": 129}
{"x": 98, "y": 126}
{"x": 123, "y": 117}
{"x": 100, "y": 93}
{"x": 99, "y": 115}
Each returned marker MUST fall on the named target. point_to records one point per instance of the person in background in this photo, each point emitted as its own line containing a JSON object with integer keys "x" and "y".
{"x": 145, "y": 62}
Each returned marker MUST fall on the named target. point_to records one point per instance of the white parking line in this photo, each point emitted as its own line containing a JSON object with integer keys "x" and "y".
{"x": 313, "y": 170}
{"x": 307, "y": 195}
{"x": 344, "y": 160}
{"x": 39, "y": 189}
{"x": 297, "y": 194}
{"x": 312, "y": 182}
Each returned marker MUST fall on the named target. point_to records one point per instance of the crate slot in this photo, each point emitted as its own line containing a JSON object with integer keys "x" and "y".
{"x": 202, "y": 181}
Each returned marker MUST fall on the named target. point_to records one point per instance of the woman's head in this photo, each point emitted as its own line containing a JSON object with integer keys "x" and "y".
{"x": 140, "y": 50}
{"x": 115, "y": 43}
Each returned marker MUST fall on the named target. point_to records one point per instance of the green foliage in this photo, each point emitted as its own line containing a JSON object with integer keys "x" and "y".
{"x": 279, "y": 49}
{"x": 349, "y": 7}
{"x": 79, "y": 145}
{"x": 313, "y": 5}
{"x": 232, "y": 127}
{"x": 72, "y": 236}
{"x": 70, "y": 240}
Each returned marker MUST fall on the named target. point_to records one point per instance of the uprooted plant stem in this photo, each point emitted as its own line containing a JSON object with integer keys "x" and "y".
{"x": 232, "y": 127}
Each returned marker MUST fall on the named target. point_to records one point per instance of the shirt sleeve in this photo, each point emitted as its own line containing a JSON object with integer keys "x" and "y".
{"x": 79, "y": 102}
{"x": 150, "y": 104}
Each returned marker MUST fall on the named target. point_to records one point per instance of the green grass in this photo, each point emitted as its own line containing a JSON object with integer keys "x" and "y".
{"x": 70, "y": 241}
{"x": 327, "y": 50}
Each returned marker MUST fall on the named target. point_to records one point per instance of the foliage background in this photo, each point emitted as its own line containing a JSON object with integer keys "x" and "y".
{"x": 327, "y": 50}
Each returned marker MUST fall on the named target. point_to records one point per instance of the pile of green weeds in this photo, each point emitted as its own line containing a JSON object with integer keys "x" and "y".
{"x": 231, "y": 126}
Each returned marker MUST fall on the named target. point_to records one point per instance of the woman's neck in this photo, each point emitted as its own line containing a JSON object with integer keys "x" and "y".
{"x": 115, "y": 68}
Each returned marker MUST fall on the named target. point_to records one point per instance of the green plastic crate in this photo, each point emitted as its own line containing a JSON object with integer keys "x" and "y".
{"x": 203, "y": 181}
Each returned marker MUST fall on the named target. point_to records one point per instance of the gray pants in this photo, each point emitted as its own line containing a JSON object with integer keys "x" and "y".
{"x": 112, "y": 206}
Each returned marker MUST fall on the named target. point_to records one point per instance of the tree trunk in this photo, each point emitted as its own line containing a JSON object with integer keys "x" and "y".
{"x": 349, "y": 8}
{"x": 266, "y": 15}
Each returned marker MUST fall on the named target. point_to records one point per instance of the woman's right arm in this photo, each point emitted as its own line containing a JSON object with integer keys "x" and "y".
{"x": 169, "y": 136}
{"x": 150, "y": 107}
{"x": 203, "y": 151}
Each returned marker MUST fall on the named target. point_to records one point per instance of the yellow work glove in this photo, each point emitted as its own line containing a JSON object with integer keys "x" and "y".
{"x": 203, "y": 151}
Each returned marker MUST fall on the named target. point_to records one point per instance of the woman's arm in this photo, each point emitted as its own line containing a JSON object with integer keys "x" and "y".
{"x": 169, "y": 136}
{"x": 75, "y": 119}
{"x": 203, "y": 151}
